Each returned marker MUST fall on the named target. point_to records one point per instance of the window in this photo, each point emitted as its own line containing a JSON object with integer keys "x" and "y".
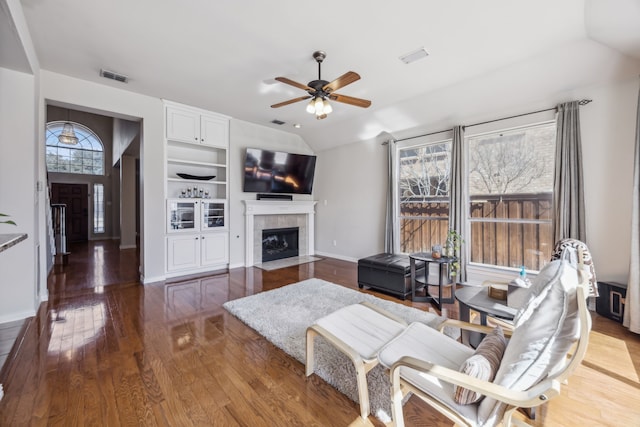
{"x": 511, "y": 195}
{"x": 423, "y": 189}
{"x": 98, "y": 208}
{"x": 87, "y": 157}
{"x": 510, "y": 175}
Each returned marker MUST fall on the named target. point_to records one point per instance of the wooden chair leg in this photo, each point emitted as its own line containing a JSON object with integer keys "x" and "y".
{"x": 363, "y": 390}
{"x": 396, "y": 400}
{"x": 309, "y": 366}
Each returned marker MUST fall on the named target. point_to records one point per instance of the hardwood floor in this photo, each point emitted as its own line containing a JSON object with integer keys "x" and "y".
{"x": 106, "y": 350}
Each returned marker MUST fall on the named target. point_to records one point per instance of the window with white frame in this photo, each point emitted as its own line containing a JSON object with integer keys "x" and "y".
{"x": 511, "y": 196}
{"x": 510, "y": 175}
{"x": 85, "y": 157}
{"x": 98, "y": 208}
{"x": 423, "y": 191}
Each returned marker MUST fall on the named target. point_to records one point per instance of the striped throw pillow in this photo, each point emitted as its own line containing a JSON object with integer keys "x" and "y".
{"x": 483, "y": 364}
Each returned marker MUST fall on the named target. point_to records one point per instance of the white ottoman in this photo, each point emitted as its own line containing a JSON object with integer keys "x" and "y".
{"x": 359, "y": 331}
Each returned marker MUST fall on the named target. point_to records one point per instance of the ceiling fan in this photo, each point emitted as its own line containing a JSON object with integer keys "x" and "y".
{"x": 321, "y": 91}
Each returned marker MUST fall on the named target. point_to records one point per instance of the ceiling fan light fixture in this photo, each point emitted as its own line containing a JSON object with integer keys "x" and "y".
{"x": 311, "y": 106}
{"x": 68, "y": 135}
{"x": 326, "y": 107}
{"x": 319, "y": 90}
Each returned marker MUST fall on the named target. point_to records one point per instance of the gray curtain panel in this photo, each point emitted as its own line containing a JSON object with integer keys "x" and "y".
{"x": 390, "y": 221}
{"x": 458, "y": 195}
{"x": 632, "y": 307}
{"x": 568, "y": 185}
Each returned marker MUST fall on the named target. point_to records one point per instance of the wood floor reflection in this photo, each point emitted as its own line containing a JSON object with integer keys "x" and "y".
{"x": 106, "y": 350}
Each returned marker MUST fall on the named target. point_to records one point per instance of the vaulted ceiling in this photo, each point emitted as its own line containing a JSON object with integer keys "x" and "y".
{"x": 224, "y": 55}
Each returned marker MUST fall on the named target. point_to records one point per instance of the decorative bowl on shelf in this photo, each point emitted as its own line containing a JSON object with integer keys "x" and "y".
{"x": 198, "y": 177}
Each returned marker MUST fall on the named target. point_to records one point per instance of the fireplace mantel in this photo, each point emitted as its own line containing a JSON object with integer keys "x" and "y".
{"x": 277, "y": 207}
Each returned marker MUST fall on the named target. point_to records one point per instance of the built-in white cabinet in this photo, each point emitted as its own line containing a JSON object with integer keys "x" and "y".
{"x": 195, "y": 126}
{"x": 195, "y": 251}
{"x": 193, "y": 215}
{"x": 197, "y": 190}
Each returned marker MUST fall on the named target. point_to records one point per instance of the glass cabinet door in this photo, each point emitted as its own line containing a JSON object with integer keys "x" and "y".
{"x": 181, "y": 215}
{"x": 213, "y": 214}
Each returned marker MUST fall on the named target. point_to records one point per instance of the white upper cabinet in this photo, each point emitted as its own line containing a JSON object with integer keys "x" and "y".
{"x": 197, "y": 127}
{"x": 214, "y": 131}
{"x": 183, "y": 125}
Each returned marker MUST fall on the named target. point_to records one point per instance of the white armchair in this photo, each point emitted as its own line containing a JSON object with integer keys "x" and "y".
{"x": 549, "y": 341}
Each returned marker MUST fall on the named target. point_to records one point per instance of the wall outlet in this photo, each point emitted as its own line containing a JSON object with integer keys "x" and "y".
{"x": 335, "y": 243}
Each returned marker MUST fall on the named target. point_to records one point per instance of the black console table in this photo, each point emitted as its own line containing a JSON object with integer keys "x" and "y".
{"x": 443, "y": 279}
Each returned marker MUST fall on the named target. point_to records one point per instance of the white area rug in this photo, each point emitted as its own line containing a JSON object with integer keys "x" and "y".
{"x": 286, "y": 262}
{"x": 283, "y": 315}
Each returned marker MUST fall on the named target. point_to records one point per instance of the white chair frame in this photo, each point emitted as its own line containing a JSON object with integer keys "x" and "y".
{"x": 534, "y": 396}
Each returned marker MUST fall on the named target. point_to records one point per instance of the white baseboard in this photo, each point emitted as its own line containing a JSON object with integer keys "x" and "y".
{"x": 12, "y": 317}
{"x": 128, "y": 246}
{"x": 237, "y": 265}
{"x": 149, "y": 280}
{"x": 341, "y": 257}
{"x": 44, "y": 297}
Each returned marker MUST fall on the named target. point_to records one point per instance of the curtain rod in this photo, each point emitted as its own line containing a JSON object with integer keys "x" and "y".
{"x": 581, "y": 102}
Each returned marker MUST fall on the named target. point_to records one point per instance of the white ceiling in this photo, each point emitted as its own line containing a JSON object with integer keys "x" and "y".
{"x": 224, "y": 55}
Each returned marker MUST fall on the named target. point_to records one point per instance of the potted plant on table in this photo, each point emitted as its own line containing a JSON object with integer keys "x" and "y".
{"x": 7, "y": 221}
{"x": 452, "y": 249}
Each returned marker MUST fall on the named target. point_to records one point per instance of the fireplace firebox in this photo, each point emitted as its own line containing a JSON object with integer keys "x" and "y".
{"x": 279, "y": 243}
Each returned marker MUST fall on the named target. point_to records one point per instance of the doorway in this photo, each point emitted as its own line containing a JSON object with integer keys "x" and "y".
{"x": 75, "y": 196}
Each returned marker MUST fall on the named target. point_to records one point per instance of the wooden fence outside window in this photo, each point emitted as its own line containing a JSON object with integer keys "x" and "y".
{"x": 506, "y": 230}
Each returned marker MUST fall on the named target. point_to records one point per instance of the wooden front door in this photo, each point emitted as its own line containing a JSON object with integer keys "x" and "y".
{"x": 75, "y": 196}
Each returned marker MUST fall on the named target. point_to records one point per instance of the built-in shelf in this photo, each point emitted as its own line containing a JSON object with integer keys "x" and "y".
{"x": 197, "y": 181}
{"x": 197, "y": 234}
{"x": 194, "y": 163}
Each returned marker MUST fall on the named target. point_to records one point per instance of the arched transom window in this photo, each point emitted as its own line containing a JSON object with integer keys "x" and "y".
{"x": 85, "y": 157}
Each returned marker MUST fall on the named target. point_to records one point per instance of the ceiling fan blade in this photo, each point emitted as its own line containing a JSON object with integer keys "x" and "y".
{"x": 358, "y": 102}
{"x": 291, "y": 101}
{"x": 345, "y": 79}
{"x": 292, "y": 83}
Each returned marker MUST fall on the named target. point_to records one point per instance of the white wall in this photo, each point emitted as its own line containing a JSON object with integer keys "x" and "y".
{"x": 18, "y": 195}
{"x": 114, "y": 101}
{"x": 351, "y": 186}
{"x": 242, "y": 135}
{"x": 351, "y": 178}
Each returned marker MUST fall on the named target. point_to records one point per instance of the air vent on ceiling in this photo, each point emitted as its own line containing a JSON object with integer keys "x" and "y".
{"x": 277, "y": 122}
{"x": 114, "y": 76}
{"x": 414, "y": 56}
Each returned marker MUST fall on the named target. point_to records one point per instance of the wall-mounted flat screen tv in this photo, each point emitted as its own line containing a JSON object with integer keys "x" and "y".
{"x": 276, "y": 172}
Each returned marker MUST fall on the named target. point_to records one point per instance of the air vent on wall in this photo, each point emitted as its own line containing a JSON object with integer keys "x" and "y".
{"x": 114, "y": 76}
{"x": 277, "y": 122}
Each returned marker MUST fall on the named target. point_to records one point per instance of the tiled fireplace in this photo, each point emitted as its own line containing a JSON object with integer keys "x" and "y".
{"x": 272, "y": 214}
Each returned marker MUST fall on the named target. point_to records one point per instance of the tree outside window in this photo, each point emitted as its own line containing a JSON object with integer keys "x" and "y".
{"x": 424, "y": 196}
{"x": 511, "y": 193}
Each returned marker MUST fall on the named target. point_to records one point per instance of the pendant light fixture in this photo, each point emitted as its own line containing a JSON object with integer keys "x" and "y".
{"x": 68, "y": 134}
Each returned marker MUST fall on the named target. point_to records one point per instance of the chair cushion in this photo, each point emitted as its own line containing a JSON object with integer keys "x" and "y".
{"x": 363, "y": 329}
{"x": 425, "y": 343}
{"x": 544, "y": 331}
{"x": 483, "y": 364}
